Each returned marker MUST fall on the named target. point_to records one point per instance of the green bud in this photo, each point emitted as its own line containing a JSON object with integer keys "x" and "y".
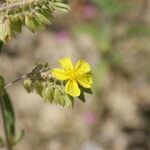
{"x": 16, "y": 24}
{"x": 59, "y": 96}
{"x": 31, "y": 22}
{"x": 69, "y": 100}
{"x": 28, "y": 85}
{"x": 42, "y": 18}
{"x": 47, "y": 94}
{"x": 45, "y": 11}
{"x": 38, "y": 87}
{"x": 60, "y": 6}
{"x": 40, "y": 25}
{"x": 22, "y": 18}
{"x": 2, "y": 85}
{"x": 5, "y": 30}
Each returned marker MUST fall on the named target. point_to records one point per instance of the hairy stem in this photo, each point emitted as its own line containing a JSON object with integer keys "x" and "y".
{"x": 15, "y": 81}
{"x": 25, "y": 76}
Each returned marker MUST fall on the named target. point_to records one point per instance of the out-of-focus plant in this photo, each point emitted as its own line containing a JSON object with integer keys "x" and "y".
{"x": 60, "y": 86}
{"x": 113, "y": 8}
{"x": 104, "y": 30}
{"x": 34, "y": 14}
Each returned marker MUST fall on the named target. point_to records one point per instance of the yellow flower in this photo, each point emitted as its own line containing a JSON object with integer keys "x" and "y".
{"x": 80, "y": 74}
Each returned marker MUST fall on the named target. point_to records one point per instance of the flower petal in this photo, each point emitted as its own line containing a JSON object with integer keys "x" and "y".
{"x": 86, "y": 80}
{"x": 82, "y": 67}
{"x": 60, "y": 74}
{"x": 67, "y": 64}
{"x": 72, "y": 88}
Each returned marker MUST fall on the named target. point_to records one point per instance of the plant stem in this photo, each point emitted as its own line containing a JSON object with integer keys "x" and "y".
{"x": 8, "y": 144}
{"x": 2, "y": 106}
{"x": 17, "y": 80}
{"x": 25, "y": 76}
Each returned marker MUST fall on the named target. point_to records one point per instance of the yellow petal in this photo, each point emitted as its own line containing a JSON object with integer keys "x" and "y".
{"x": 67, "y": 64}
{"x": 72, "y": 88}
{"x": 86, "y": 80}
{"x": 82, "y": 67}
{"x": 60, "y": 74}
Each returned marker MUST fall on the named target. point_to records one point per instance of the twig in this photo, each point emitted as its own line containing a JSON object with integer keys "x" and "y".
{"x": 27, "y": 75}
{"x": 17, "y": 80}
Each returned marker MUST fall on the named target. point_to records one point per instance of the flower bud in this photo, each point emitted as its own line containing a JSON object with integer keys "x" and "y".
{"x": 5, "y": 30}
{"x": 59, "y": 96}
{"x": 38, "y": 87}
{"x": 42, "y": 18}
{"x": 47, "y": 94}
{"x": 30, "y": 22}
{"x": 28, "y": 85}
{"x": 69, "y": 100}
{"x": 16, "y": 24}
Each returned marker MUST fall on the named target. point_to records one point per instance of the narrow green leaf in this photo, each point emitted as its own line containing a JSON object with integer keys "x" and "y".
{"x": 42, "y": 18}
{"x": 89, "y": 91}
{"x": 1, "y": 142}
{"x": 60, "y": 6}
{"x": 2, "y": 84}
{"x": 38, "y": 23}
{"x": 82, "y": 97}
{"x": 32, "y": 23}
{"x": 9, "y": 116}
{"x": 45, "y": 11}
{"x": 1, "y": 45}
{"x": 19, "y": 138}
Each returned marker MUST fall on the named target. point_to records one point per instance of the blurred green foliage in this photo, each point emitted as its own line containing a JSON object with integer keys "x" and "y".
{"x": 112, "y": 8}
{"x": 105, "y": 28}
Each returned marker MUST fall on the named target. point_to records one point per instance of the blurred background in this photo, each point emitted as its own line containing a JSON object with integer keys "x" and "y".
{"x": 114, "y": 37}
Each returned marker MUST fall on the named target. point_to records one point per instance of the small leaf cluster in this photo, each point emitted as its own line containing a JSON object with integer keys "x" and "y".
{"x": 34, "y": 14}
{"x": 49, "y": 88}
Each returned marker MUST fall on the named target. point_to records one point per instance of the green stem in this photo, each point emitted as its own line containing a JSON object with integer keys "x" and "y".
{"x": 8, "y": 144}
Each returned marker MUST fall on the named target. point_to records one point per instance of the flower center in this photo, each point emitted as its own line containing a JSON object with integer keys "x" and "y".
{"x": 73, "y": 75}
